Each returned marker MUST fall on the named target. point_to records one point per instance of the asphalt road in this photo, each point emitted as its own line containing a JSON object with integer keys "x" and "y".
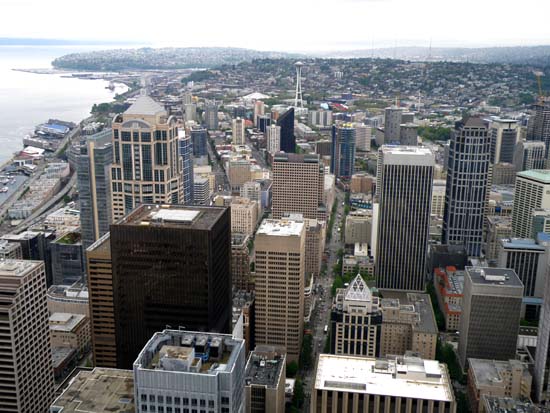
{"x": 323, "y": 299}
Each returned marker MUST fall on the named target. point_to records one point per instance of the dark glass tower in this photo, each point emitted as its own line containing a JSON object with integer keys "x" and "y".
{"x": 199, "y": 138}
{"x": 171, "y": 267}
{"x": 288, "y": 140}
{"x": 342, "y": 160}
{"x": 467, "y": 183}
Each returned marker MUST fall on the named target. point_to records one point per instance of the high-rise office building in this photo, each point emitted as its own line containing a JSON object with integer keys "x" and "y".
{"x": 184, "y": 371}
{"x": 94, "y": 187}
{"x": 238, "y": 129}
{"x": 530, "y": 155}
{"x": 405, "y": 196}
{"x": 26, "y": 368}
{"x": 467, "y": 185}
{"x": 264, "y": 121}
{"x": 363, "y": 135}
{"x": 504, "y": 135}
{"x": 199, "y": 139}
{"x": 355, "y": 321}
{"x": 67, "y": 255}
{"x": 408, "y": 134}
{"x": 392, "y": 123}
{"x": 100, "y": 291}
{"x": 342, "y": 160}
{"x": 288, "y": 140}
{"x": 532, "y": 192}
{"x": 280, "y": 262}
{"x": 541, "y": 222}
{"x": 190, "y": 112}
{"x": 273, "y": 139}
{"x": 319, "y": 117}
{"x": 185, "y": 147}
{"x": 491, "y": 310}
{"x": 541, "y": 374}
{"x": 539, "y": 124}
{"x": 298, "y": 186}
{"x": 171, "y": 265}
{"x": 259, "y": 110}
{"x": 146, "y": 166}
{"x": 244, "y": 215}
{"x": 240, "y": 262}
{"x": 211, "y": 116}
{"x": 529, "y": 259}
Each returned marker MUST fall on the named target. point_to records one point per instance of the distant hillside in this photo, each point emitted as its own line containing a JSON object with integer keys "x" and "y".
{"x": 532, "y": 55}
{"x": 163, "y": 58}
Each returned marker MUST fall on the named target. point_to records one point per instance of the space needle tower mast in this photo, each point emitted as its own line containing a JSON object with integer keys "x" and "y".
{"x": 298, "y": 101}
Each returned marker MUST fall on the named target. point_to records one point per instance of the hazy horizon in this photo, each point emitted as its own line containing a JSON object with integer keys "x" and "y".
{"x": 304, "y": 26}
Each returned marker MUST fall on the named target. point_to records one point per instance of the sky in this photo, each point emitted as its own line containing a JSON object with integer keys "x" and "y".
{"x": 284, "y": 25}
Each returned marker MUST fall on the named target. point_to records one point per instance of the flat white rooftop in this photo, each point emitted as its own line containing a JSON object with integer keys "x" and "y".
{"x": 17, "y": 268}
{"x": 175, "y": 215}
{"x": 280, "y": 227}
{"x": 407, "y": 377}
{"x": 407, "y": 155}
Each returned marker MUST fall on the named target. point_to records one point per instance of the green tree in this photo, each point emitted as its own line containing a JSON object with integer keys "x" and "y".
{"x": 291, "y": 369}
{"x": 306, "y": 352}
{"x": 299, "y": 395}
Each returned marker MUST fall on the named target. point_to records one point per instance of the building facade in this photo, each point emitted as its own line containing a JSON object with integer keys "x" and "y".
{"x": 405, "y": 195}
{"x": 26, "y": 368}
{"x": 286, "y": 123}
{"x": 185, "y": 147}
{"x": 244, "y": 215}
{"x": 280, "y": 264}
{"x": 342, "y": 160}
{"x": 467, "y": 185}
{"x": 238, "y": 130}
{"x": 146, "y": 166}
{"x": 186, "y": 371}
{"x": 273, "y": 139}
{"x": 171, "y": 265}
{"x": 490, "y": 314}
{"x": 298, "y": 186}
{"x": 532, "y": 192}
{"x": 94, "y": 188}
{"x": 504, "y": 135}
{"x": 530, "y": 155}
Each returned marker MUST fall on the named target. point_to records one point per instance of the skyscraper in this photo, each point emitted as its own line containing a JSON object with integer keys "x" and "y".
{"x": 280, "y": 249}
{"x": 532, "y": 191}
{"x": 298, "y": 186}
{"x": 539, "y": 124}
{"x": 199, "y": 138}
{"x": 490, "y": 317}
{"x": 238, "y": 132}
{"x": 405, "y": 198}
{"x": 146, "y": 166}
{"x": 259, "y": 110}
{"x": 342, "y": 160}
{"x": 273, "y": 139}
{"x": 467, "y": 185}
{"x": 392, "y": 123}
{"x": 94, "y": 188}
{"x": 288, "y": 140}
{"x": 541, "y": 374}
{"x": 530, "y": 155}
{"x": 171, "y": 265}
{"x": 211, "y": 116}
{"x": 504, "y": 134}
{"x": 185, "y": 145}
{"x": 26, "y": 368}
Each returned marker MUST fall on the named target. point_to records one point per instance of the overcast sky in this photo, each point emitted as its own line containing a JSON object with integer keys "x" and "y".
{"x": 287, "y": 25}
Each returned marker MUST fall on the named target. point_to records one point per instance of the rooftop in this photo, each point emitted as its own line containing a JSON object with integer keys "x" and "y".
{"x": 358, "y": 290}
{"x": 418, "y": 303}
{"x": 98, "y": 391}
{"x": 408, "y": 377}
{"x": 145, "y": 105}
{"x": 264, "y": 367}
{"x": 174, "y": 215}
{"x": 495, "y": 404}
{"x": 539, "y": 175}
{"x": 407, "y": 155}
{"x": 189, "y": 352}
{"x": 493, "y": 276}
{"x": 490, "y": 372}
{"x": 522, "y": 243}
{"x": 17, "y": 268}
{"x": 65, "y": 321}
{"x": 280, "y": 227}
